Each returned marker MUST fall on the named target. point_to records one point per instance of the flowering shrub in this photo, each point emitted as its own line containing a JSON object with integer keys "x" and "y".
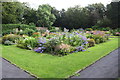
{"x": 116, "y": 32}
{"x": 88, "y": 29}
{"x": 50, "y": 45}
{"x": 100, "y": 33}
{"x": 10, "y": 37}
{"x": 39, "y": 49}
{"x": 74, "y": 39}
{"x": 91, "y": 42}
{"x": 27, "y": 43}
{"x": 62, "y": 43}
{"x": 28, "y": 31}
{"x": 80, "y": 48}
{"x": 42, "y": 41}
{"x": 98, "y": 36}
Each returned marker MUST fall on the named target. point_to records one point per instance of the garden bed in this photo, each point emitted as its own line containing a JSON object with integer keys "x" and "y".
{"x": 48, "y": 66}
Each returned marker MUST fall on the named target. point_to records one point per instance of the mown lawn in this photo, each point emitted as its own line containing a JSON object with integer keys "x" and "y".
{"x": 48, "y": 66}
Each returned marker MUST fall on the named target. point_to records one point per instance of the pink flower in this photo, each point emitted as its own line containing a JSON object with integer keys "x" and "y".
{"x": 117, "y": 33}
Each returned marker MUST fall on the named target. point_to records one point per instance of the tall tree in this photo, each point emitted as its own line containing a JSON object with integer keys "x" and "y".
{"x": 29, "y": 15}
{"x": 44, "y": 16}
{"x": 57, "y": 15}
{"x": 77, "y": 17}
{"x": 12, "y": 12}
{"x": 113, "y": 13}
{"x": 96, "y": 12}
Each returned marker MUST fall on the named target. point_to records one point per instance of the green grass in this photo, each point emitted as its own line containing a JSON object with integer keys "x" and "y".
{"x": 48, "y": 66}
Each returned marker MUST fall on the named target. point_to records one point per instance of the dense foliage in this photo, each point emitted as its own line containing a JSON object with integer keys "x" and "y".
{"x": 11, "y": 28}
{"x": 12, "y": 12}
{"x": 44, "y": 16}
{"x": 74, "y": 17}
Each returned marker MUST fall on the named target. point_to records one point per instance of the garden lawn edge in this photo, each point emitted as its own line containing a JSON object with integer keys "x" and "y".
{"x": 72, "y": 73}
{"x": 12, "y": 63}
{"x": 90, "y": 64}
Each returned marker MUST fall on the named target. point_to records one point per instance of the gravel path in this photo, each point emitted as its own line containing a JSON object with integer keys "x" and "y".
{"x": 106, "y": 67}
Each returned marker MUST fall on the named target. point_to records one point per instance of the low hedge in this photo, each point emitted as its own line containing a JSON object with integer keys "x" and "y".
{"x": 8, "y": 28}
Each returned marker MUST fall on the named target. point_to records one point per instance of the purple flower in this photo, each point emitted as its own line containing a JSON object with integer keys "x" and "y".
{"x": 37, "y": 50}
{"x": 40, "y": 49}
{"x": 42, "y": 40}
{"x": 84, "y": 50}
{"x": 84, "y": 38}
{"x": 81, "y": 29}
{"x": 76, "y": 51}
{"x": 40, "y": 44}
{"x": 77, "y": 33}
{"x": 85, "y": 43}
{"x": 81, "y": 32}
{"x": 80, "y": 48}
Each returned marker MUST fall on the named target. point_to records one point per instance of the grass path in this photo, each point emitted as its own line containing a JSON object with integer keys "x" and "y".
{"x": 48, "y": 66}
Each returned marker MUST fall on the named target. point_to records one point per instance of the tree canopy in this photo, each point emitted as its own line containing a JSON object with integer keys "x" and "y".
{"x": 44, "y": 15}
{"x": 12, "y": 12}
{"x": 74, "y": 17}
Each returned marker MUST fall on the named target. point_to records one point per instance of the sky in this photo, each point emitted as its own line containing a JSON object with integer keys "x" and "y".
{"x": 60, "y": 4}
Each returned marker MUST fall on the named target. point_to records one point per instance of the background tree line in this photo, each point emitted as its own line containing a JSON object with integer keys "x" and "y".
{"x": 74, "y": 17}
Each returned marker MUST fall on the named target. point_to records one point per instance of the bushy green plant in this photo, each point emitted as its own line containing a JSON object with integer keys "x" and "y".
{"x": 10, "y": 37}
{"x": 115, "y": 32}
{"x": 49, "y": 36}
{"x": 42, "y": 31}
{"x": 95, "y": 27}
{"x": 20, "y": 33}
{"x": 107, "y": 32}
{"x": 105, "y": 29}
{"x": 28, "y": 31}
{"x": 74, "y": 39}
{"x": 88, "y": 29}
{"x": 31, "y": 24}
{"x": 54, "y": 29}
{"x": 99, "y": 39}
{"x": 5, "y": 32}
{"x": 27, "y": 43}
{"x": 8, "y": 28}
{"x": 98, "y": 36}
{"x": 50, "y": 45}
{"x": 36, "y": 34}
{"x": 91, "y": 42}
